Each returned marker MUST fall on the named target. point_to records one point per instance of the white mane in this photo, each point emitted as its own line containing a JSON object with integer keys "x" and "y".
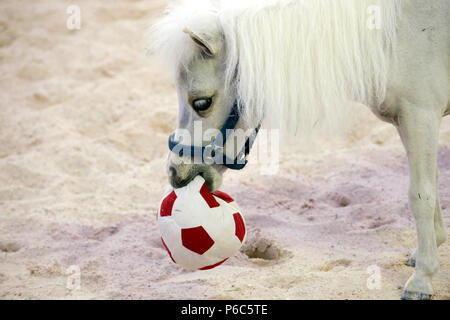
{"x": 301, "y": 63}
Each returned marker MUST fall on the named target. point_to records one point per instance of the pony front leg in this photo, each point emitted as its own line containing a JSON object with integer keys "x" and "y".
{"x": 439, "y": 228}
{"x": 419, "y": 129}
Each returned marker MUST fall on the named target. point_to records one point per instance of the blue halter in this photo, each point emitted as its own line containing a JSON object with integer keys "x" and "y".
{"x": 214, "y": 151}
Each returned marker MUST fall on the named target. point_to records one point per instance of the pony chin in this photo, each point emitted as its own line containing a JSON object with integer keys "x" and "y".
{"x": 213, "y": 176}
{"x": 184, "y": 173}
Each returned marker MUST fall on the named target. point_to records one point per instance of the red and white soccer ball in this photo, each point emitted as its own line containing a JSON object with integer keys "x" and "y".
{"x": 200, "y": 229}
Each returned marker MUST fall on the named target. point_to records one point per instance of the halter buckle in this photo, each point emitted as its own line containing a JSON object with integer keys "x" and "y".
{"x": 241, "y": 156}
{"x": 210, "y": 152}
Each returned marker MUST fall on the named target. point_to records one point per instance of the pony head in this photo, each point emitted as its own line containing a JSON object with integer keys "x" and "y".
{"x": 194, "y": 45}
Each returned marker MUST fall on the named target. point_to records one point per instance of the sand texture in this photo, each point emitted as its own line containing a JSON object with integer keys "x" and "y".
{"x": 84, "y": 122}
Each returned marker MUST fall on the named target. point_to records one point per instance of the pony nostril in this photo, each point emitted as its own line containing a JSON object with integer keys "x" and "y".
{"x": 172, "y": 172}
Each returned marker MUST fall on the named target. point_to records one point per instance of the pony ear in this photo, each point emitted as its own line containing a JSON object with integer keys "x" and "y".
{"x": 209, "y": 43}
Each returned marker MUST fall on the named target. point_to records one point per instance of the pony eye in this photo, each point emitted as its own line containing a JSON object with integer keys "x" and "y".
{"x": 202, "y": 104}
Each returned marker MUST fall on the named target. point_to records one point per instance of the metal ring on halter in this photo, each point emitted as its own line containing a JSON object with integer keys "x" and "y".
{"x": 241, "y": 156}
{"x": 210, "y": 153}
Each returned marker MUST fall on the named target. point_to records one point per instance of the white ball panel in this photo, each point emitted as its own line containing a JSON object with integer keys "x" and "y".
{"x": 190, "y": 210}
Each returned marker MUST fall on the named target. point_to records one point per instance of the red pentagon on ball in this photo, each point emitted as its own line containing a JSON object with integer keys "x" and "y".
{"x": 240, "y": 226}
{"x": 167, "y": 205}
{"x": 196, "y": 240}
{"x": 222, "y": 195}
{"x": 170, "y": 253}
{"x": 214, "y": 265}
{"x": 208, "y": 196}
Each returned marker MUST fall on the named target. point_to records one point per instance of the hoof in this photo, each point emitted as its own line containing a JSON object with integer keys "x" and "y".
{"x": 409, "y": 295}
{"x": 412, "y": 259}
{"x": 411, "y": 262}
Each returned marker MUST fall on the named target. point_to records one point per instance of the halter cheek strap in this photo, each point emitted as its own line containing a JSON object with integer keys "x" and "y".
{"x": 213, "y": 151}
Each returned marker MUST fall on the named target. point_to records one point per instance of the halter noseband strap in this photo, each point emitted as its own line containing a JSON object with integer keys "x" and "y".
{"x": 213, "y": 150}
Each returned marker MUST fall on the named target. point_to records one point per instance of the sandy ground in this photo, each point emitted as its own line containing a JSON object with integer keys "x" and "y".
{"x": 84, "y": 121}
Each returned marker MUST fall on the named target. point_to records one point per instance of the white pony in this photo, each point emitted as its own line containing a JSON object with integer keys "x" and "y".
{"x": 300, "y": 65}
